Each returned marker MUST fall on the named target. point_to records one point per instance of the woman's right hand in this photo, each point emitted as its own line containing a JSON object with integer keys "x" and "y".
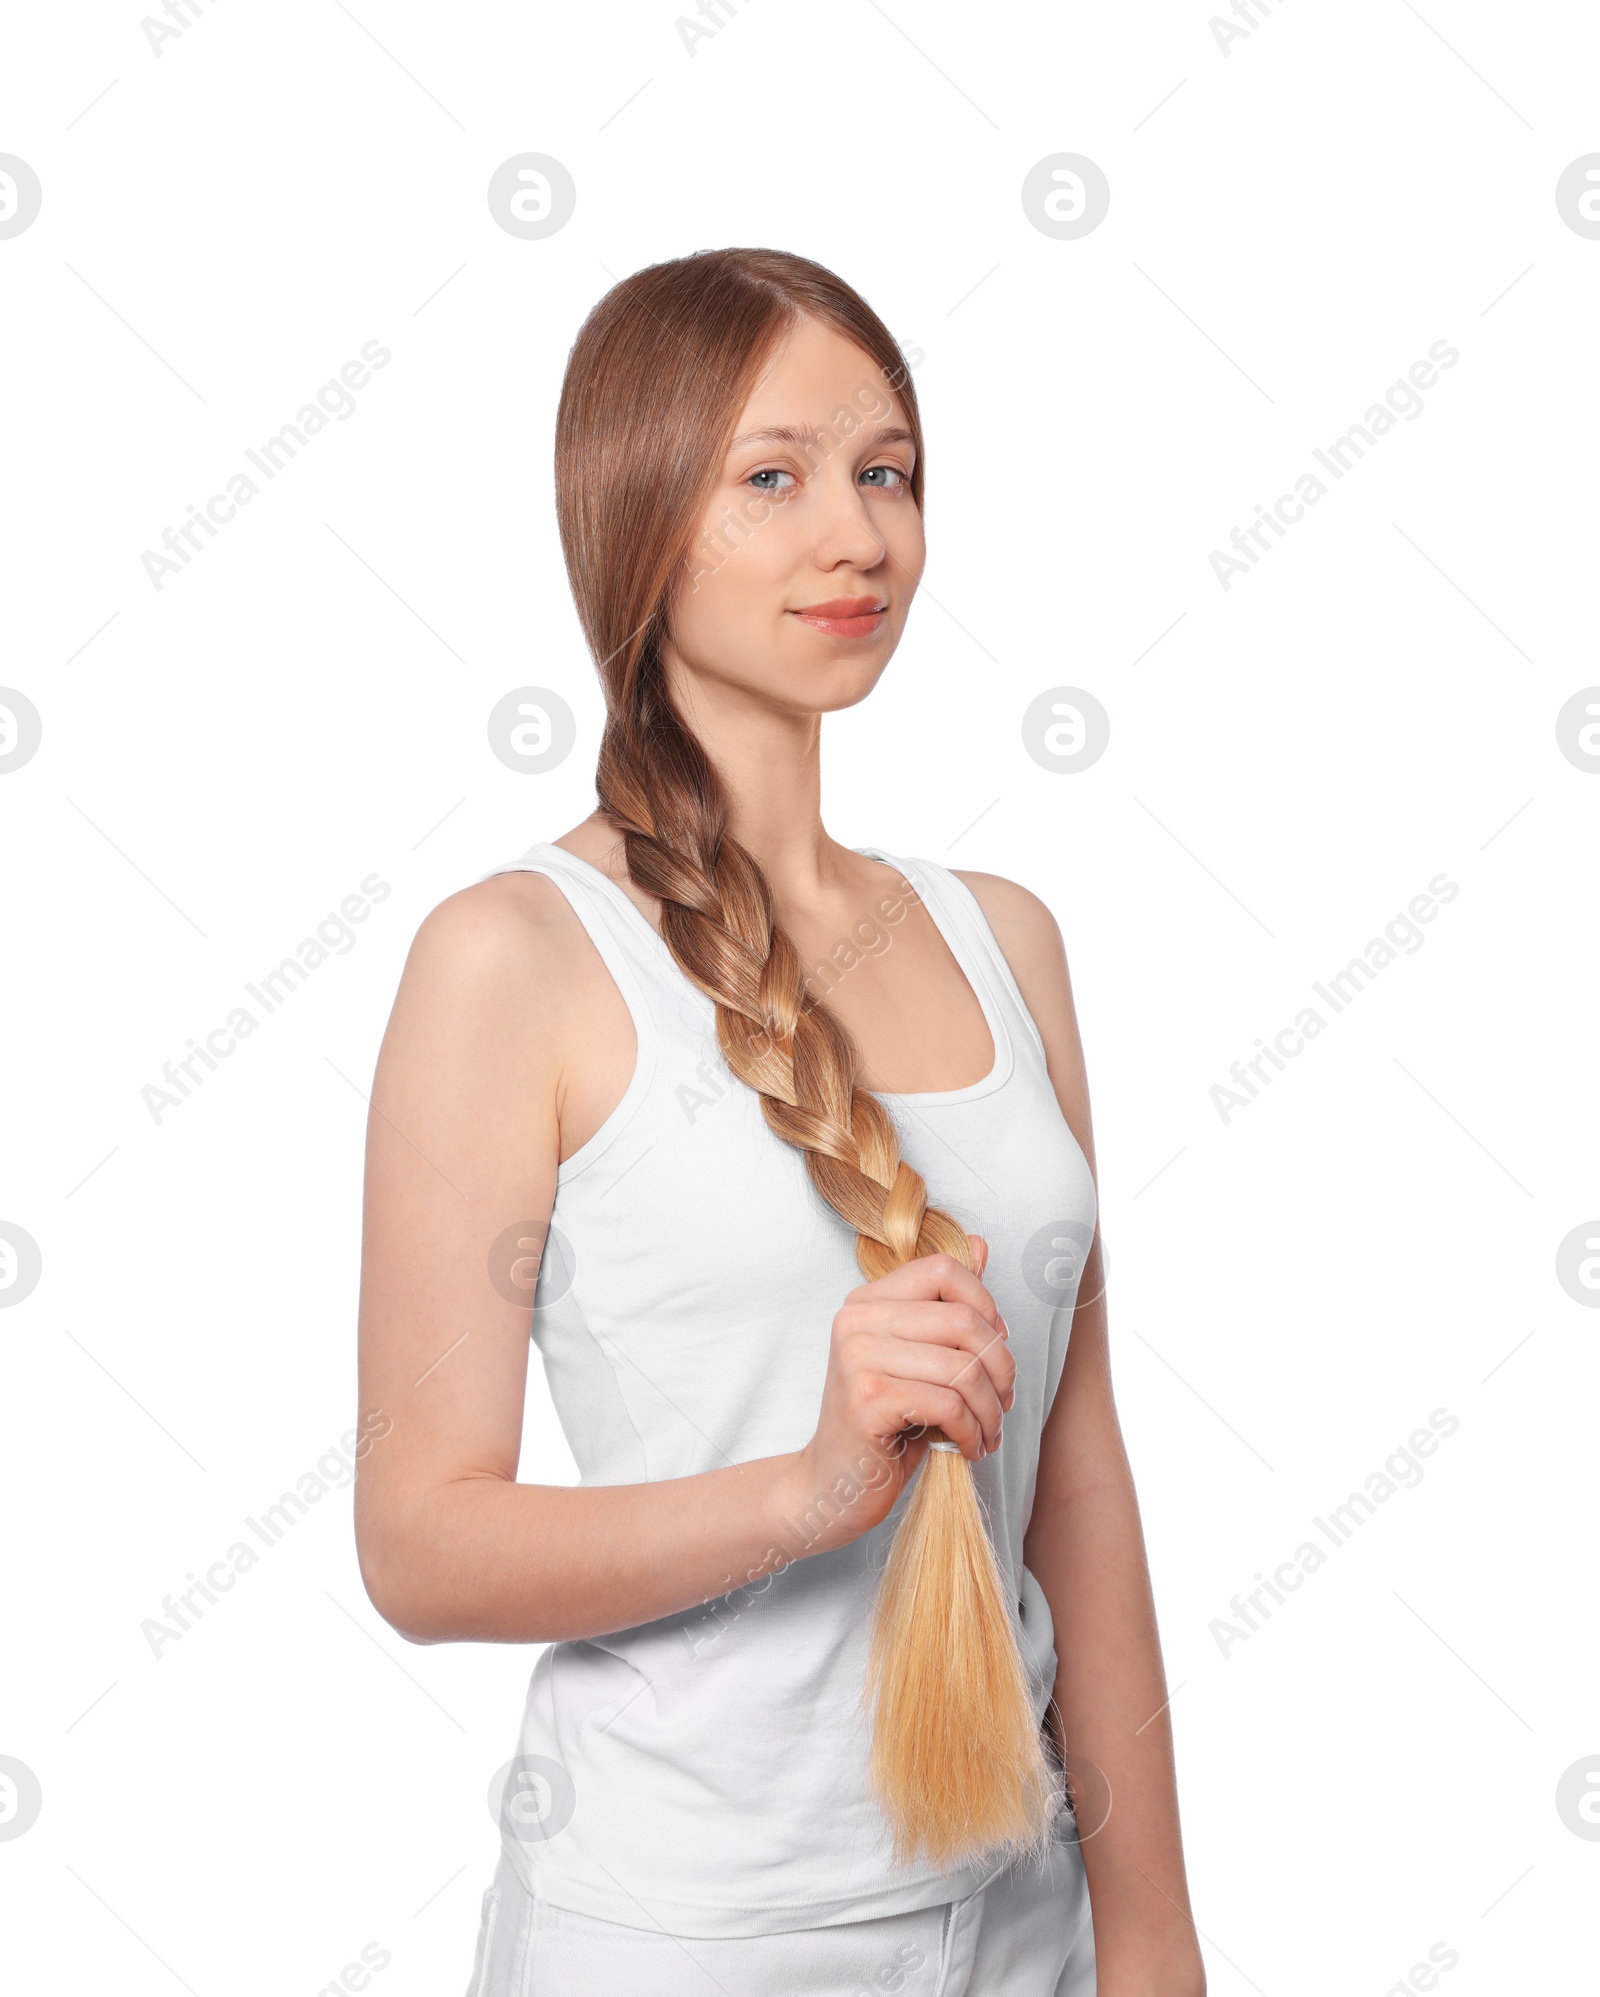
{"x": 924, "y": 1347}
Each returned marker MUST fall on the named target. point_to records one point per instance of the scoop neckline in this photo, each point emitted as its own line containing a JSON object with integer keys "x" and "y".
{"x": 976, "y": 981}
{"x": 978, "y": 984}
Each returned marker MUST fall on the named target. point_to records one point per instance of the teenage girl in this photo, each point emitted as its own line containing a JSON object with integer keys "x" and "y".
{"x": 680, "y": 1062}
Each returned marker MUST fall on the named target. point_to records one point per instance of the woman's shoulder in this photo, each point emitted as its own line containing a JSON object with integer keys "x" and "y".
{"x": 509, "y": 942}
{"x": 505, "y": 924}
{"x": 509, "y": 917}
{"x": 1018, "y": 917}
{"x": 1028, "y": 936}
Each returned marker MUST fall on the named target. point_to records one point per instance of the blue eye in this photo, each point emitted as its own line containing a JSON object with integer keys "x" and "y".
{"x": 770, "y": 472}
{"x": 895, "y": 470}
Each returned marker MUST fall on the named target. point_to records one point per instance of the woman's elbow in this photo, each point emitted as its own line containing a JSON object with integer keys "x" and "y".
{"x": 395, "y": 1577}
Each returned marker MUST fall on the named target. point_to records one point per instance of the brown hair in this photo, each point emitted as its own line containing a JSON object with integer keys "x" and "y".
{"x": 655, "y": 384}
{"x": 654, "y": 387}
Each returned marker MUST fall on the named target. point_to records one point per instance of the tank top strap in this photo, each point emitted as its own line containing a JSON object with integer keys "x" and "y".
{"x": 662, "y": 999}
{"x": 959, "y": 915}
{"x": 643, "y": 968}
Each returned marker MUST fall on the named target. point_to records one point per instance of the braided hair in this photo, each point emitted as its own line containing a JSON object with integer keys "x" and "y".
{"x": 655, "y": 384}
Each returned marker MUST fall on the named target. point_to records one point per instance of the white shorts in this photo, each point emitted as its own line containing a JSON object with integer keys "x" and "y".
{"x": 1026, "y": 1933}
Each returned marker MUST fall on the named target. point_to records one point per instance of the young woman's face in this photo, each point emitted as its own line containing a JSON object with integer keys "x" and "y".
{"x": 803, "y": 570}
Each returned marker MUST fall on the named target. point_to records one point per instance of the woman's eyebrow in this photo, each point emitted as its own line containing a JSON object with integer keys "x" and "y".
{"x": 803, "y": 439}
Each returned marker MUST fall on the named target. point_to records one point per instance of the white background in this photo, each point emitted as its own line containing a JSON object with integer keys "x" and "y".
{"x": 1292, "y": 224}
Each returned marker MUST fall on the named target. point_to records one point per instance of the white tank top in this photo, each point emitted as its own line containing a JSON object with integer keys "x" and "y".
{"x": 716, "y": 1760}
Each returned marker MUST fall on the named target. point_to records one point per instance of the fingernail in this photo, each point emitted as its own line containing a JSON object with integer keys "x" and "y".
{"x": 1005, "y": 1329}
{"x": 999, "y": 1435}
{"x": 982, "y": 1451}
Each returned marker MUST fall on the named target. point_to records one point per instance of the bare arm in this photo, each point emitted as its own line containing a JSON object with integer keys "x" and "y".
{"x": 1085, "y": 1546}
{"x": 463, "y": 1143}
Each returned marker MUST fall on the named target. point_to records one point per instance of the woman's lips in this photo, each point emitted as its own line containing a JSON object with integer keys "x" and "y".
{"x": 847, "y": 617}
